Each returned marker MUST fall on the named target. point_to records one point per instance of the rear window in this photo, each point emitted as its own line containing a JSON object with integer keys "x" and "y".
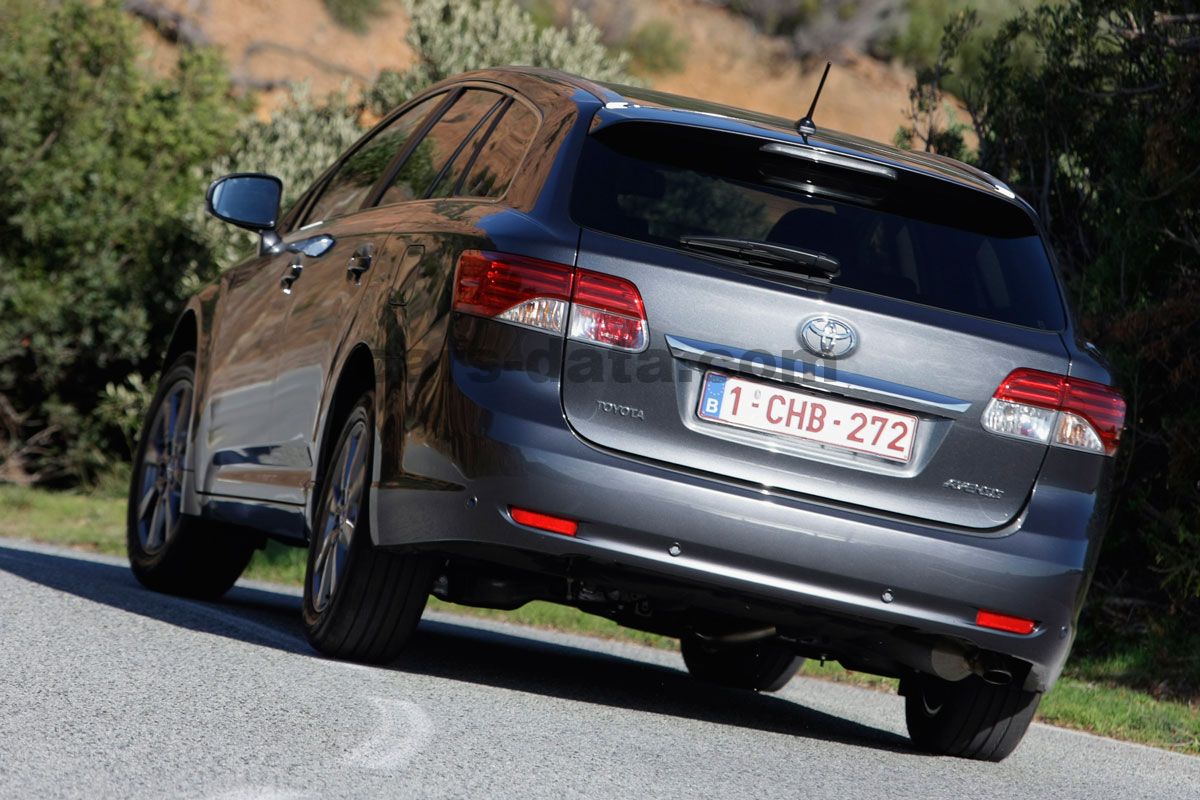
{"x": 912, "y": 238}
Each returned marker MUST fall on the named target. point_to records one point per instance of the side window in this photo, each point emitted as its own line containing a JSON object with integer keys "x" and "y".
{"x": 441, "y": 144}
{"x": 346, "y": 189}
{"x": 463, "y": 159}
{"x": 497, "y": 162}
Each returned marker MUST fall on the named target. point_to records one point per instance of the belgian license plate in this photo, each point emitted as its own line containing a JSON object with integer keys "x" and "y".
{"x": 817, "y": 418}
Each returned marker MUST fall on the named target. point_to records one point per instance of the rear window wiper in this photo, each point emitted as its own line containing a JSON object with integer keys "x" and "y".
{"x": 767, "y": 254}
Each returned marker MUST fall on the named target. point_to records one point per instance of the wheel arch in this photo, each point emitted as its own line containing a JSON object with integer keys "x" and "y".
{"x": 184, "y": 339}
{"x": 356, "y": 375}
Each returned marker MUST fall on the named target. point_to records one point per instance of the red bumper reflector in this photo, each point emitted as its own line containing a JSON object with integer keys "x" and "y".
{"x": 543, "y": 522}
{"x": 1003, "y": 622}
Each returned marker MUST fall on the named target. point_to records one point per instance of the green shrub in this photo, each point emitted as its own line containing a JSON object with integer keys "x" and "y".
{"x": 919, "y": 41}
{"x": 452, "y": 36}
{"x": 932, "y": 124}
{"x": 353, "y": 14}
{"x": 777, "y": 17}
{"x": 97, "y": 172}
{"x": 655, "y": 49}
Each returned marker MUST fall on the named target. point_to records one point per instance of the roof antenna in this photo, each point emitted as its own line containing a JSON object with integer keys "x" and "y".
{"x": 806, "y": 127}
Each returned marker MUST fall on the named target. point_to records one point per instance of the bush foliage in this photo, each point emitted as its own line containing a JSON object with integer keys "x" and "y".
{"x": 354, "y": 14}
{"x": 96, "y": 171}
{"x": 656, "y": 49}
{"x": 920, "y": 40}
{"x": 1090, "y": 109}
{"x": 453, "y": 36}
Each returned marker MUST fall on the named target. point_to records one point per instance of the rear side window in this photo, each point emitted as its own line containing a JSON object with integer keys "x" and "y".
{"x": 348, "y": 187}
{"x": 453, "y": 172}
{"x": 497, "y": 162}
{"x": 913, "y": 239}
{"x": 442, "y": 145}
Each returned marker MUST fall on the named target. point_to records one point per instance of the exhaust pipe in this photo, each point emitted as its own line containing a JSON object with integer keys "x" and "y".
{"x": 944, "y": 659}
{"x": 949, "y": 662}
{"x": 952, "y": 662}
{"x": 994, "y": 671}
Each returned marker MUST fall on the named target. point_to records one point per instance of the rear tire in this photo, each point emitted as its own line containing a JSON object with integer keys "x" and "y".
{"x": 169, "y": 551}
{"x": 361, "y": 603}
{"x": 758, "y": 666}
{"x": 968, "y": 718}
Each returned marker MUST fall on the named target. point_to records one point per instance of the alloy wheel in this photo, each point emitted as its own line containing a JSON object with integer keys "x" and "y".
{"x": 162, "y": 466}
{"x": 341, "y": 506}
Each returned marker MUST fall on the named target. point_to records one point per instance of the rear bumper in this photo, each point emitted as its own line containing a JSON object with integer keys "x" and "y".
{"x": 514, "y": 448}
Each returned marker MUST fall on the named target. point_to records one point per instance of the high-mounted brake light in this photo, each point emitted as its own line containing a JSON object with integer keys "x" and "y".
{"x": 603, "y": 309}
{"x": 1056, "y": 409}
{"x": 1004, "y": 622}
{"x": 544, "y": 522}
{"x": 516, "y": 289}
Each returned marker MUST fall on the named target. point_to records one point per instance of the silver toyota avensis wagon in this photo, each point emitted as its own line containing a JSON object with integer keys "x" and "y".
{"x": 779, "y": 392}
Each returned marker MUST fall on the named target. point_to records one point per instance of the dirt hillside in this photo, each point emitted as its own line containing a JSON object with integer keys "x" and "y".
{"x": 273, "y": 42}
{"x": 730, "y": 62}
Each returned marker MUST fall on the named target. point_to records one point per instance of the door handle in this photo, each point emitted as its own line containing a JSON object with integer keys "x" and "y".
{"x": 360, "y": 261}
{"x": 290, "y": 276}
{"x": 313, "y": 246}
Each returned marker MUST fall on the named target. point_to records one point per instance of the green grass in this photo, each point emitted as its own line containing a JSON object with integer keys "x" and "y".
{"x": 1122, "y": 713}
{"x": 95, "y": 522}
{"x": 1108, "y": 690}
{"x": 89, "y": 522}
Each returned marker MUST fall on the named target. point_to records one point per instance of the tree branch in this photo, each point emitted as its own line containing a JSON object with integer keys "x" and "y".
{"x": 171, "y": 25}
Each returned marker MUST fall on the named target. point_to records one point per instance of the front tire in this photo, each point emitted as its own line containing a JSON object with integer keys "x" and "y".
{"x": 968, "y": 718}
{"x": 758, "y": 666}
{"x": 360, "y": 602}
{"x": 169, "y": 551}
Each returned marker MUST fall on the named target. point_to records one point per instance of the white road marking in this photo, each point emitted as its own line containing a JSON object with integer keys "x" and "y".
{"x": 404, "y": 731}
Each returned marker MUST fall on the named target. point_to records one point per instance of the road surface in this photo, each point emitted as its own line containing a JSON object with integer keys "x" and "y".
{"x": 109, "y": 690}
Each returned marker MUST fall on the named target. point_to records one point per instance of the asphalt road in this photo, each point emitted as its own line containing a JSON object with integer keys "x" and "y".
{"x": 108, "y": 690}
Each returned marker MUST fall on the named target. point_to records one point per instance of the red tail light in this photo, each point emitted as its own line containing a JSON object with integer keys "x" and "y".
{"x": 1102, "y": 407}
{"x": 1003, "y": 622}
{"x": 604, "y": 309}
{"x": 1032, "y": 387}
{"x": 1070, "y": 412}
{"x": 525, "y": 291}
{"x": 607, "y": 310}
{"x": 544, "y": 522}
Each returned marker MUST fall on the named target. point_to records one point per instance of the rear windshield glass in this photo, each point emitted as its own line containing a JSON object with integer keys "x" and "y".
{"x": 912, "y": 238}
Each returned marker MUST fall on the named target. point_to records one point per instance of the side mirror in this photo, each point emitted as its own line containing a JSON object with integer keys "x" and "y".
{"x": 247, "y": 199}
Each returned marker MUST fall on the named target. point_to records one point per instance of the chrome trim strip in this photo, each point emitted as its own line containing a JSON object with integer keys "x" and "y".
{"x": 802, "y": 373}
{"x": 817, "y": 156}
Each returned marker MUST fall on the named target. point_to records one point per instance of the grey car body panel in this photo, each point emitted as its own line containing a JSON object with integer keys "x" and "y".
{"x": 473, "y": 416}
{"x": 900, "y": 343}
{"x": 512, "y": 447}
